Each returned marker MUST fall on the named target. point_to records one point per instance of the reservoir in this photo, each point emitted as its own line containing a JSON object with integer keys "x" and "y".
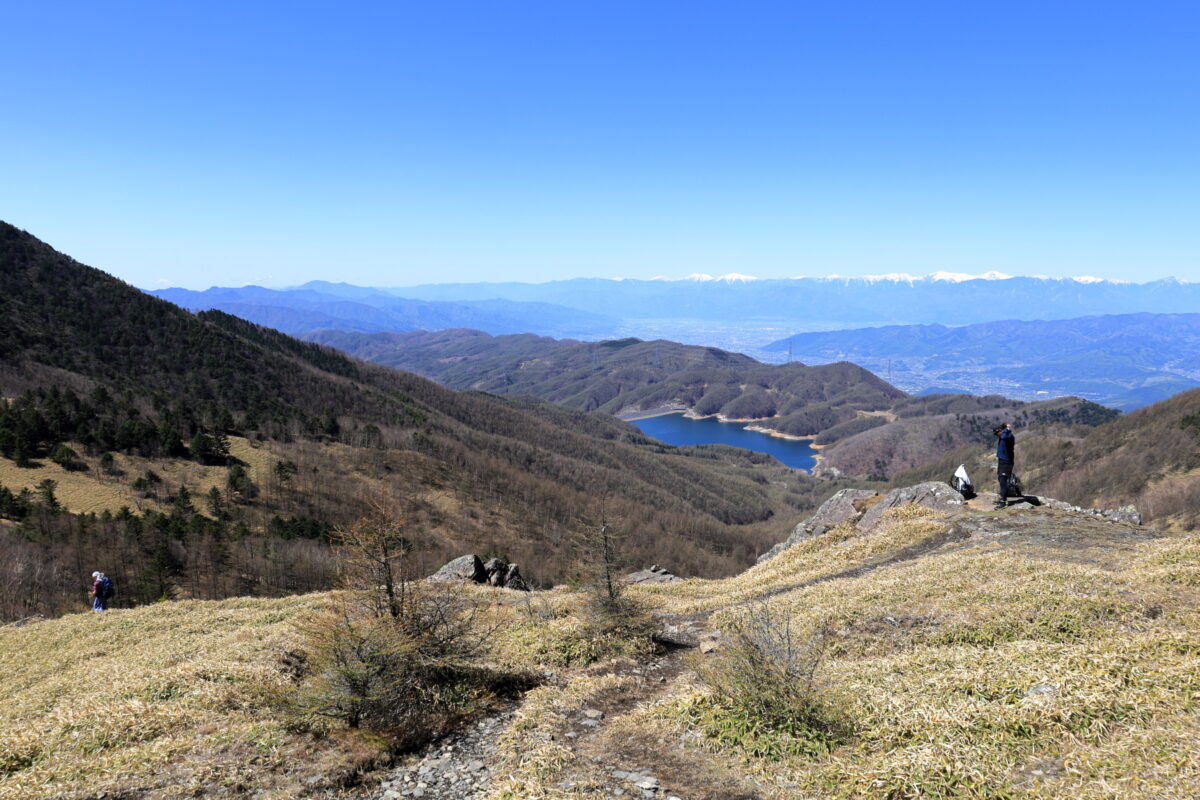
{"x": 679, "y": 430}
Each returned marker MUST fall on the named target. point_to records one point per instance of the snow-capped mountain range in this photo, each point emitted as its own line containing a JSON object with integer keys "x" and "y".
{"x": 894, "y": 277}
{"x": 832, "y": 302}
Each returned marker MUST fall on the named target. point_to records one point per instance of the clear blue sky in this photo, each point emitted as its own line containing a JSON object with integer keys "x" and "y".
{"x": 394, "y": 143}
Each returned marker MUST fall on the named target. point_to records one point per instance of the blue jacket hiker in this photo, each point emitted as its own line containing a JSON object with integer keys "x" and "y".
{"x": 1006, "y": 444}
{"x": 102, "y": 591}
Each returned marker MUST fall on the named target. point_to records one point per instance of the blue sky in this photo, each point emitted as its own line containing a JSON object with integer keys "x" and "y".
{"x": 397, "y": 143}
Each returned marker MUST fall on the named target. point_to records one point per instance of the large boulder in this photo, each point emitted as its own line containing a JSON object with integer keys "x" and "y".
{"x": 463, "y": 568}
{"x": 845, "y": 505}
{"x": 496, "y": 572}
{"x": 931, "y": 494}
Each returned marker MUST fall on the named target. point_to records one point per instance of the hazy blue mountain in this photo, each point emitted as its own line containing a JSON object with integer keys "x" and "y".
{"x": 1125, "y": 361}
{"x": 320, "y": 305}
{"x": 834, "y": 302}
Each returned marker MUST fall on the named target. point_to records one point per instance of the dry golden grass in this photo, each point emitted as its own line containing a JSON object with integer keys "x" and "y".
{"x": 163, "y": 700}
{"x": 989, "y": 671}
{"x": 81, "y": 492}
{"x": 91, "y": 491}
{"x": 1001, "y": 666}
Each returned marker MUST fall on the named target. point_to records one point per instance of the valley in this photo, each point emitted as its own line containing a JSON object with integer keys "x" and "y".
{"x": 202, "y": 440}
{"x": 1120, "y": 345}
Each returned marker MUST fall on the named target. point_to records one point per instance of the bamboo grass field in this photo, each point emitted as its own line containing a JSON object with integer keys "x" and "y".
{"x": 1051, "y": 655}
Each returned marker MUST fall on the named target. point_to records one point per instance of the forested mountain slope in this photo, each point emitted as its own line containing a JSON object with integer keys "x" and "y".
{"x": 106, "y": 384}
{"x": 869, "y": 428}
{"x": 630, "y": 375}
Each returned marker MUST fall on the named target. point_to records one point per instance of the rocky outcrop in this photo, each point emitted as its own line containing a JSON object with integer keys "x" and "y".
{"x": 504, "y": 574}
{"x": 845, "y": 505}
{"x": 931, "y": 494}
{"x": 655, "y": 574}
{"x": 1127, "y": 514}
{"x": 463, "y": 568}
{"x": 495, "y": 572}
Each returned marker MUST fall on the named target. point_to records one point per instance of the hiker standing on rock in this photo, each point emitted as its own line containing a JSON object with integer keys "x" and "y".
{"x": 1006, "y": 444}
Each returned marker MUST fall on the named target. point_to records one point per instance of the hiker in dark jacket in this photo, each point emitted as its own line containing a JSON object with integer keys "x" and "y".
{"x": 99, "y": 592}
{"x": 1006, "y": 445}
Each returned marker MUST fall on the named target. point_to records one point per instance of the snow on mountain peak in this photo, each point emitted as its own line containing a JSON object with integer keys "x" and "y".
{"x": 733, "y": 277}
{"x": 959, "y": 277}
{"x": 895, "y": 277}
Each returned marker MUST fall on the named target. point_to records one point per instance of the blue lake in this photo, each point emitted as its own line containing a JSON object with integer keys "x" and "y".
{"x": 679, "y": 430}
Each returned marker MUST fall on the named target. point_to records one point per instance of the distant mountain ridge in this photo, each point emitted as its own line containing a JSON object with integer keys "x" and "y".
{"x": 322, "y": 305}
{"x": 631, "y": 375}
{"x": 870, "y": 428}
{"x": 1125, "y": 361}
{"x": 837, "y": 302}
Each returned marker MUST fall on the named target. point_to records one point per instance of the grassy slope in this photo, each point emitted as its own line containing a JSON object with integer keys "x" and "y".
{"x": 930, "y": 669}
{"x": 931, "y": 665}
{"x": 164, "y": 696}
{"x": 92, "y": 492}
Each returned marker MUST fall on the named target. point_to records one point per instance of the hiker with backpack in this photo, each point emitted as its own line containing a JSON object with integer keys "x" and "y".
{"x": 1006, "y": 444}
{"x": 102, "y": 591}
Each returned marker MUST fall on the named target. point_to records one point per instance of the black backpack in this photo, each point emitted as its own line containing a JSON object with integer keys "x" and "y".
{"x": 107, "y": 589}
{"x": 1015, "y": 489}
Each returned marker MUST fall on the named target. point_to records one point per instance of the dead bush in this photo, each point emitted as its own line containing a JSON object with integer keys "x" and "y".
{"x": 764, "y": 697}
{"x": 392, "y": 654}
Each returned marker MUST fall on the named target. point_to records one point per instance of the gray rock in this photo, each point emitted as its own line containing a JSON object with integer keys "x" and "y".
{"x": 674, "y": 635}
{"x": 931, "y": 494}
{"x": 463, "y": 568}
{"x": 845, "y": 505}
{"x": 655, "y": 574}
{"x": 1128, "y": 514}
{"x": 513, "y": 579}
{"x": 496, "y": 570}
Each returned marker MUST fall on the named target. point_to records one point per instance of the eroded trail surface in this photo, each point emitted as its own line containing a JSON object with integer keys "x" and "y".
{"x": 458, "y": 767}
{"x": 463, "y": 765}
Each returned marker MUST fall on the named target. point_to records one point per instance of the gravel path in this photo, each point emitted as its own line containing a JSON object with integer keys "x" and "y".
{"x": 455, "y": 768}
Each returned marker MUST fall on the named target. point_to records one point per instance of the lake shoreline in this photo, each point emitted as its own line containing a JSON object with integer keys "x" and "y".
{"x": 662, "y": 411}
{"x": 808, "y": 459}
{"x": 629, "y": 415}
